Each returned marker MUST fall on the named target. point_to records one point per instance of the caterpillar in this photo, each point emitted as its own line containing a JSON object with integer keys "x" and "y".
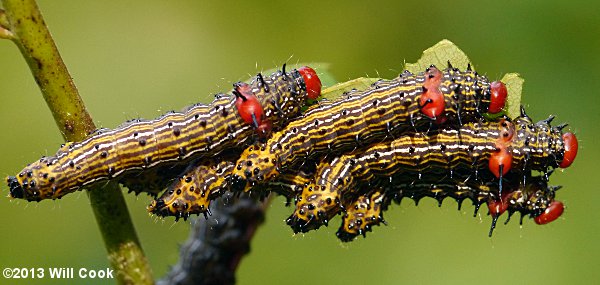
{"x": 387, "y": 109}
{"x": 174, "y": 138}
{"x": 193, "y": 192}
{"x": 501, "y": 146}
{"x": 534, "y": 199}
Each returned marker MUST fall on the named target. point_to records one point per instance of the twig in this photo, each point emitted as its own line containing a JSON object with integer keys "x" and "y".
{"x": 215, "y": 246}
{"x": 23, "y": 23}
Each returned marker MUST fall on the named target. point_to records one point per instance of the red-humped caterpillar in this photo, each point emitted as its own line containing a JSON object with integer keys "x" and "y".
{"x": 175, "y": 138}
{"x": 535, "y": 199}
{"x": 387, "y": 109}
{"x": 470, "y": 152}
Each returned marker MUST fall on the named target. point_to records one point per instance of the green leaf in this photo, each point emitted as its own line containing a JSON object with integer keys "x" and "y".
{"x": 514, "y": 86}
{"x": 439, "y": 55}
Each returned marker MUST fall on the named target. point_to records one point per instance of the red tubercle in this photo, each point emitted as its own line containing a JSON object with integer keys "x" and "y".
{"x": 248, "y": 106}
{"x": 571, "y": 145}
{"x": 311, "y": 81}
{"x": 497, "y": 97}
{"x": 502, "y": 158}
{"x": 432, "y": 100}
{"x": 553, "y": 212}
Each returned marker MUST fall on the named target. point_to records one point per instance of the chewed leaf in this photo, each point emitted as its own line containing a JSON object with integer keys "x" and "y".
{"x": 439, "y": 55}
{"x": 514, "y": 85}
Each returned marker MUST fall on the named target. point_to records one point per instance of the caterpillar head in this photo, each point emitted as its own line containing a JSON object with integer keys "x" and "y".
{"x": 362, "y": 214}
{"x": 191, "y": 193}
{"x": 315, "y": 206}
{"x": 255, "y": 164}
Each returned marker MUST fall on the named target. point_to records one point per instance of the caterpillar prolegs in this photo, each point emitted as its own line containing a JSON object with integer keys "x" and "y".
{"x": 535, "y": 199}
{"x": 363, "y": 209}
{"x": 387, "y": 109}
{"x": 173, "y": 139}
{"x": 475, "y": 151}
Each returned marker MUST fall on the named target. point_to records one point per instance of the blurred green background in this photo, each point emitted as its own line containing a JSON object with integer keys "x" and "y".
{"x": 142, "y": 58}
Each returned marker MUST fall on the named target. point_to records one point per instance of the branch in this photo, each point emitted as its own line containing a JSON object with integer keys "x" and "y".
{"x": 216, "y": 246}
{"x": 23, "y": 23}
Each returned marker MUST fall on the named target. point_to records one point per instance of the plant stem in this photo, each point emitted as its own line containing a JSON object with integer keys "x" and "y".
{"x": 23, "y": 23}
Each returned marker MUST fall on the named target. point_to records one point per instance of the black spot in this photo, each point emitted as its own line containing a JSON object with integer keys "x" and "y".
{"x": 176, "y": 132}
{"x": 203, "y": 123}
{"x": 104, "y": 154}
{"x": 142, "y": 142}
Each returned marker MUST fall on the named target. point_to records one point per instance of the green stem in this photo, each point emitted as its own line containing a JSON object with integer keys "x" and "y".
{"x": 25, "y": 26}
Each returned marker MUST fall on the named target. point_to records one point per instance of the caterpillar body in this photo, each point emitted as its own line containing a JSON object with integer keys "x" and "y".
{"x": 172, "y": 139}
{"x": 474, "y": 149}
{"x": 534, "y": 199}
{"x": 387, "y": 109}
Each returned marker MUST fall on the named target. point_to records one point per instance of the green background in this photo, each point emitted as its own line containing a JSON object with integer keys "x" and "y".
{"x": 143, "y": 58}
